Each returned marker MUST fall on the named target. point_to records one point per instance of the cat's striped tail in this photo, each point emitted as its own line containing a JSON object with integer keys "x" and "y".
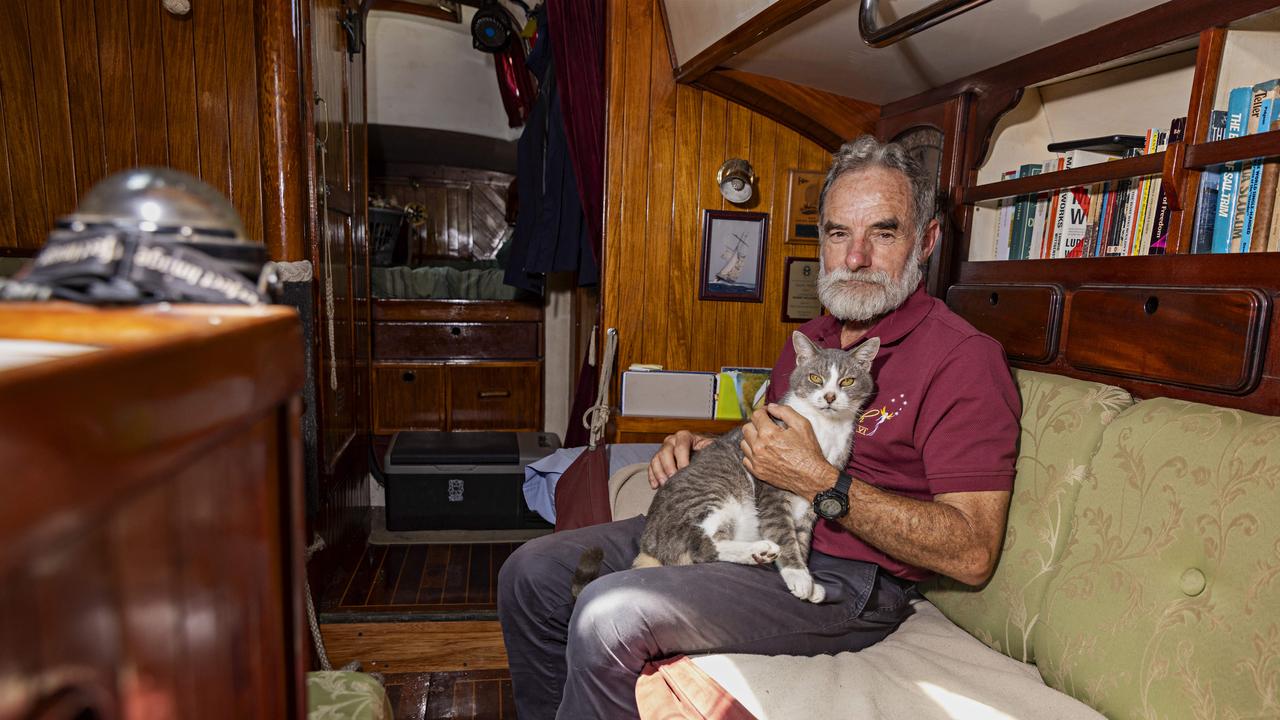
{"x": 588, "y": 569}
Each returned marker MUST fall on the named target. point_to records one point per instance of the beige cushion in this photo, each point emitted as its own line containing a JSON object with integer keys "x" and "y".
{"x": 629, "y": 491}
{"x": 1167, "y": 603}
{"x": 927, "y": 669}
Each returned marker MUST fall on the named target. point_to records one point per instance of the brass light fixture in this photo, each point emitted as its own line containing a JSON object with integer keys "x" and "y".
{"x": 736, "y": 180}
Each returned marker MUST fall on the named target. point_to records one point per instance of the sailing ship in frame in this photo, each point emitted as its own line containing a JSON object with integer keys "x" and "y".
{"x": 733, "y": 255}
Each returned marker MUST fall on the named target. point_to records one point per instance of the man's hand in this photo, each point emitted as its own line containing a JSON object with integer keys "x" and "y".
{"x": 673, "y": 455}
{"x": 785, "y": 457}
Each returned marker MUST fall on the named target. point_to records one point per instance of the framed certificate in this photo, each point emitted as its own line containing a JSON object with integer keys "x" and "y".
{"x": 800, "y": 290}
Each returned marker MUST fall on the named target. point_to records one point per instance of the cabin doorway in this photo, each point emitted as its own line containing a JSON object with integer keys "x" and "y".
{"x": 455, "y": 347}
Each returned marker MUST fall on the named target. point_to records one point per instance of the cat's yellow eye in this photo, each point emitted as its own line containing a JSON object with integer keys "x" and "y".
{"x": 846, "y": 382}
{"x": 815, "y": 379}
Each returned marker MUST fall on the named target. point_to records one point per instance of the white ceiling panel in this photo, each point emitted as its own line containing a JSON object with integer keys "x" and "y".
{"x": 823, "y": 49}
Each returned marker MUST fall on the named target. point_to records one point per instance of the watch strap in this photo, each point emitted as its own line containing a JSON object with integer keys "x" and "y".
{"x": 844, "y": 481}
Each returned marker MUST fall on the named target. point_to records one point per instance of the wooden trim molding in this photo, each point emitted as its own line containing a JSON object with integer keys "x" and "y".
{"x": 279, "y": 44}
{"x": 765, "y": 23}
{"x": 1162, "y": 24}
{"x": 825, "y": 118}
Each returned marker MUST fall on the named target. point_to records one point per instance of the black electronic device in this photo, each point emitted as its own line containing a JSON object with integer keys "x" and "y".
{"x": 1108, "y": 144}
{"x": 492, "y": 28}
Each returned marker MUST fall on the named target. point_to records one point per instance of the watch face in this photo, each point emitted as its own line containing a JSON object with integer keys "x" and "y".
{"x": 830, "y": 506}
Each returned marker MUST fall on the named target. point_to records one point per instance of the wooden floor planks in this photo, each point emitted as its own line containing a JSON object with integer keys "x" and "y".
{"x": 422, "y": 578}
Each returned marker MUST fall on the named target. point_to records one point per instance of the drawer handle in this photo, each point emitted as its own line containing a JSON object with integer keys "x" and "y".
{"x": 486, "y": 394}
{"x": 409, "y": 376}
{"x": 455, "y": 331}
{"x": 1151, "y": 305}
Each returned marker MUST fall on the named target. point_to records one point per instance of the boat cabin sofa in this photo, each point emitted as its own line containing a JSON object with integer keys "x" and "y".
{"x": 1140, "y": 578}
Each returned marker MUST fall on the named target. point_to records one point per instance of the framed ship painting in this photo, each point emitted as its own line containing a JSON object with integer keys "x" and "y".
{"x": 733, "y": 255}
{"x": 803, "y": 188}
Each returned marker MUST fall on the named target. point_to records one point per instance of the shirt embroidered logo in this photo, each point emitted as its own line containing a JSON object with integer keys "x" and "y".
{"x": 871, "y": 420}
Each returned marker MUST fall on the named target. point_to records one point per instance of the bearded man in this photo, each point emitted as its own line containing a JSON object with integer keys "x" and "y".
{"x": 926, "y": 489}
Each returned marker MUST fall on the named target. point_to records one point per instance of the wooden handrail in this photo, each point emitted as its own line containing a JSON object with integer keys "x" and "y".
{"x": 1126, "y": 167}
{"x": 1208, "y": 154}
{"x": 922, "y": 19}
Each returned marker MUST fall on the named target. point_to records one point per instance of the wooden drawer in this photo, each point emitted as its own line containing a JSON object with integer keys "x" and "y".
{"x": 1210, "y": 338}
{"x": 462, "y": 340}
{"x": 409, "y": 397}
{"x": 485, "y": 396}
{"x": 1024, "y": 318}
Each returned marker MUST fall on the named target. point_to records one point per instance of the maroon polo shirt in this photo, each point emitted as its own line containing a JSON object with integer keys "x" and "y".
{"x": 943, "y": 419}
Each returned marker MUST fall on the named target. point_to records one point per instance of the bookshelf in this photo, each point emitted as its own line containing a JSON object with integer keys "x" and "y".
{"x": 1201, "y": 327}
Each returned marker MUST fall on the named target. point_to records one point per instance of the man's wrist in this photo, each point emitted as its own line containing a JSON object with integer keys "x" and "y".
{"x": 824, "y": 479}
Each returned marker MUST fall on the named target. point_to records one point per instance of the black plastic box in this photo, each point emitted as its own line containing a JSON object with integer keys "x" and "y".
{"x": 462, "y": 480}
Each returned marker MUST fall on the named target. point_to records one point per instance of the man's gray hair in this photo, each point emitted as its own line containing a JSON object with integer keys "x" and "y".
{"x": 867, "y": 152}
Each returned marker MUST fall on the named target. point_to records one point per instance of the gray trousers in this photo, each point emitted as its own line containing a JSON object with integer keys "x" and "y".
{"x": 582, "y": 660}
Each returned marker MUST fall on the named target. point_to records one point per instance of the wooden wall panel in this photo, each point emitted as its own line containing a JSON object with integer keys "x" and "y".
{"x": 466, "y": 211}
{"x": 664, "y": 144}
{"x": 91, "y": 88}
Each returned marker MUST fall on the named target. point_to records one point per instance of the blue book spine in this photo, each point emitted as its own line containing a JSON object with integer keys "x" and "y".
{"x": 1228, "y": 193}
{"x": 1023, "y": 218}
{"x": 1210, "y": 185}
{"x": 1255, "y": 178}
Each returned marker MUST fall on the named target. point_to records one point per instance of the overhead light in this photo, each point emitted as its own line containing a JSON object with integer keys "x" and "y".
{"x": 736, "y": 180}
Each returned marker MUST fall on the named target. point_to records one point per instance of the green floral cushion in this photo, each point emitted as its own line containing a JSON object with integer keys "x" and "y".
{"x": 1167, "y": 599}
{"x": 342, "y": 695}
{"x": 1062, "y": 423}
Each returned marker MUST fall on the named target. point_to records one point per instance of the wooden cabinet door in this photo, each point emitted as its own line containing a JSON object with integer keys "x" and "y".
{"x": 410, "y": 397}
{"x": 493, "y": 396}
{"x": 340, "y": 248}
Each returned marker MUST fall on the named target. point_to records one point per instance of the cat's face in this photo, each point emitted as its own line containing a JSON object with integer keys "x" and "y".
{"x": 833, "y": 381}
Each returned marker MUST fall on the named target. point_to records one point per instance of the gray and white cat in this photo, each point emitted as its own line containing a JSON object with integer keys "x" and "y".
{"x": 713, "y": 509}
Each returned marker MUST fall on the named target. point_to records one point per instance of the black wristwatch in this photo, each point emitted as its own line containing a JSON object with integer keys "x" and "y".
{"x": 833, "y": 504}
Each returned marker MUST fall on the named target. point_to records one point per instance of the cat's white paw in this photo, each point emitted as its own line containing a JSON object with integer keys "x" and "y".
{"x": 801, "y": 584}
{"x": 764, "y": 551}
{"x": 798, "y": 581}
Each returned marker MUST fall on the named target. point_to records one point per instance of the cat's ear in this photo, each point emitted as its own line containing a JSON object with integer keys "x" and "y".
{"x": 803, "y": 346}
{"x": 866, "y": 352}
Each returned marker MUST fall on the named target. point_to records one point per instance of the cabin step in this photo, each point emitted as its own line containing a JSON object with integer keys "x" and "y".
{"x": 416, "y": 647}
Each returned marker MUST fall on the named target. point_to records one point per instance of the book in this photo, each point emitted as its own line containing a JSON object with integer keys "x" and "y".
{"x": 1098, "y": 197}
{"x": 1207, "y": 195}
{"x": 1042, "y": 219}
{"x": 1004, "y": 223}
{"x": 1052, "y": 221}
{"x": 1160, "y": 230}
{"x": 1267, "y": 219}
{"x": 1023, "y": 217}
{"x": 1161, "y": 141}
{"x": 1143, "y": 196}
{"x": 1251, "y": 172}
{"x": 1229, "y": 192}
{"x": 738, "y": 391}
{"x": 1076, "y": 204}
{"x": 1268, "y": 180}
{"x": 1121, "y": 220}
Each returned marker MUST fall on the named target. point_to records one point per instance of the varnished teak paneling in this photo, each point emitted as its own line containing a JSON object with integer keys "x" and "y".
{"x": 1024, "y": 318}
{"x": 122, "y": 464}
{"x": 460, "y": 340}
{"x": 90, "y": 88}
{"x": 664, "y": 143}
{"x": 1205, "y": 338}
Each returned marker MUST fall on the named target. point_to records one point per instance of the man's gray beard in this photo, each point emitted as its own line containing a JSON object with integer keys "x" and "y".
{"x": 858, "y": 296}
